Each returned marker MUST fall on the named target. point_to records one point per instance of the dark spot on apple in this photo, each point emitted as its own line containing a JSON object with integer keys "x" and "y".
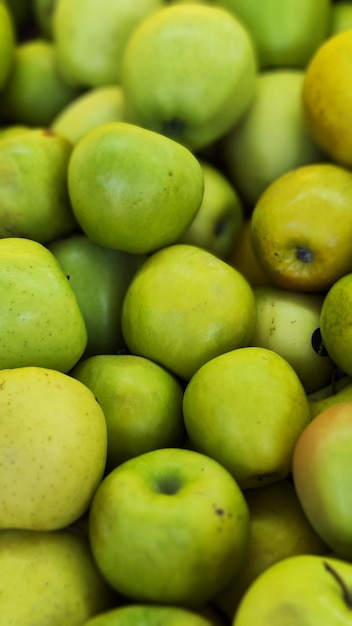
{"x": 68, "y": 276}
{"x": 220, "y": 226}
{"x": 219, "y": 511}
{"x": 173, "y": 128}
{"x": 304, "y": 254}
{"x": 267, "y": 476}
{"x": 168, "y": 485}
{"x": 48, "y": 132}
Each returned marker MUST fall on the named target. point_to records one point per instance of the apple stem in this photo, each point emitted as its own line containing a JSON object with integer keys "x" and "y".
{"x": 346, "y": 592}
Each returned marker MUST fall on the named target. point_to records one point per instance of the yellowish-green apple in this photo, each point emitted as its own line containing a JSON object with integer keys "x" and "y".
{"x": 35, "y": 91}
{"x": 184, "y": 306}
{"x": 336, "y": 322}
{"x": 297, "y": 248}
{"x": 288, "y": 323}
{"x": 211, "y": 79}
{"x": 40, "y": 320}
{"x": 98, "y": 105}
{"x": 271, "y": 138}
{"x": 337, "y": 391}
{"x": 133, "y": 189}
{"x": 90, "y": 37}
{"x": 218, "y": 222}
{"x": 141, "y": 401}
{"x": 305, "y": 589}
{"x": 7, "y": 44}
{"x": 286, "y": 33}
{"x": 50, "y": 578}
{"x": 322, "y": 477}
{"x": 175, "y": 516}
{"x": 243, "y": 258}
{"x": 148, "y": 615}
{"x": 33, "y": 205}
{"x": 246, "y": 409}
{"x": 53, "y": 442}
{"x": 99, "y": 278}
{"x": 278, "y": 529}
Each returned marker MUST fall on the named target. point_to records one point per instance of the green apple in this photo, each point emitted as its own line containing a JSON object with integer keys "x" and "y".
{"x": 305, "y": 589}
{"x": 148, "y": 615}
{"x": 7, "y": 44}
{"x": 35, "y": 91}
{"x": 286, "y": 33}
{"x": 184, "y": 306}
{"x": 210, "y": 84}
{"x": 246, "y": 409}
{"x": 322, "y": 477}
{"x": 278, "y": 529}
{"x": 33, "y": 205}
{"x": 98, "y": 105}
{"x": 176, "y": 517}
{"x": 99, "y": 278}
{"x": 340, "y": 17}
{"x": 330, "y": 395}
{"x": 336, "y": 322}
{"x": 217, "y": 224}
{"x": 299, "y": 249}
{"x": 53, "y": 448}
{"x": 288, "y": 323}
{"x": 40, "y": 320}
{"x": 271, "y": 138}
{"x": 142, "y": 403}
{"x": 90, "y": 37}
{"x": 133, "y": 189}
{"x": 49, "y": 578}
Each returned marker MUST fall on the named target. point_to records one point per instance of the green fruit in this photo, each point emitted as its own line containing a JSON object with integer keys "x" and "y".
{"x": 40, "y": 320}
{"x": 54, "y": 575}
{"x": 184, "y": 306}
{"x": 97, "y": 106}
{"x": 7, "y": 45}
{"x": 148, "y": 615}
{"x": 90, "y": 37}
{"x": 210, "y": 83}
{"x": 132, "y": 189}
{"x": 174, "y": 516}
{"x": 35, "y": 91}
{"x": 34, "y": 201}
{"x": 336, "y": 323}
{"x": 246, "y": 409}
{"x": 53, "y": 448}
{"x": 99, "y": 278}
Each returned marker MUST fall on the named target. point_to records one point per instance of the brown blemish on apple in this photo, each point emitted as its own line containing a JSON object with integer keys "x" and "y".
{"x": 304, "y": 254}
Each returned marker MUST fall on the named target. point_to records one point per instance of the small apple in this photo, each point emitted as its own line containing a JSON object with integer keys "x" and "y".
{"x": 142, "y": 403}
{"x": 99, "y": 278}
{"x": 184, "y": 306}
{"x": 218, "y": 222}
{"x": 336, "y": 322}
{"x": 55, "y": 577}
{"x": 149, "y": 615}
{"x": 278, "y": 529}
{"x": 271, "y": 138}
{"x": 299, "y": 249}
{"x": 40, "y": 320}
{"x": 7, "y": 44}
{"x": 209, "y": 84}
{"x": 322, "y": 477}
{"x": 305, "y": 589}
{"x": 53, "y": 443}
{"x": 176, "y": 517}
{"x": 288, "y": 323}
{"x": 246, "y": 409}
{"x": 286, "y": 33}
{"x": 133, "y": 189}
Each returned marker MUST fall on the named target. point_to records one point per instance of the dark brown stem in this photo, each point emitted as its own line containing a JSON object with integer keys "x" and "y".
{"x": 346, "y": 592}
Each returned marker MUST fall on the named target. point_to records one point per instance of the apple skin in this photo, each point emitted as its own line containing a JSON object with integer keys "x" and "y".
{"x": 149, "y": 615}
{"x": 322, "y": 477}
{"x": 335, "y": 322}
{"x": 286, "y": 33}
{"x": 340, "y": 17}
{"x": 208, "y": 46}
{"x": 338, "y": 391}
{"x": 184, "y": 306}
{"x": 175, "y": 516}
{"x": 7, "y": 44}
{"x": 246, "y": 409}
{"x": 55, "y": 576}
{"x": 243, "y": 258}
{"x": 298, "y": 590}
{"x": 142, "y": 403}
{"x": 287, "y": 323}
{"x": 298, "y": 249}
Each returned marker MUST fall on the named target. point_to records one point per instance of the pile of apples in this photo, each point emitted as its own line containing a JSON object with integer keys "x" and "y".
{"x": 175, "y": 312}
